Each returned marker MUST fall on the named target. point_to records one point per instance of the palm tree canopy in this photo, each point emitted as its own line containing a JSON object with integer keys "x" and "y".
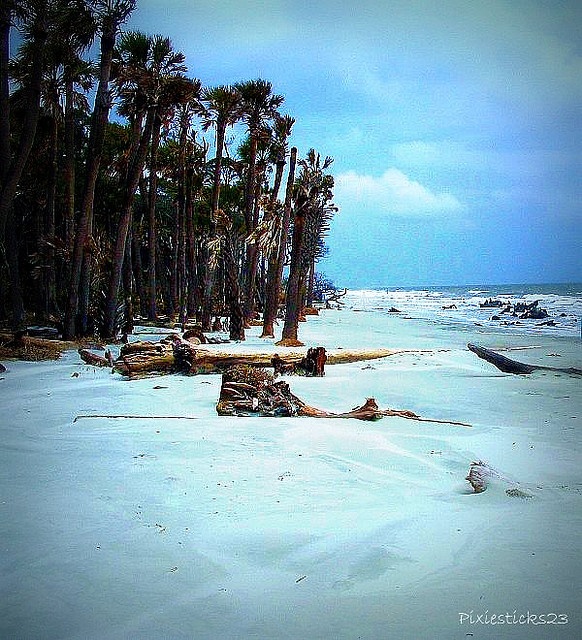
{"x": 222, "y": 106}
{"x": 259, "y": 103}
{"x": 149, "y": 72}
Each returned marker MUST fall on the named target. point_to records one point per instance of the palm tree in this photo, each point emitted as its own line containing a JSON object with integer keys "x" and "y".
{"x": 35, "y": 16}
{"x": 160, "y": 82}
{"x": 110, "y": 14}
{"x": 181, "y": 94}
{"x": 312, "y": 209}
{"x": 259, "y": 106}
{"x": 222, "y": 108}
{"x": 276, "y": 261}
{"x": 75, "y": 77}
{"x": 78, "y": 78}
{"x": 279, "y": 149}
{"x": 189, "y": 167}
{"x": 71, "y": 31}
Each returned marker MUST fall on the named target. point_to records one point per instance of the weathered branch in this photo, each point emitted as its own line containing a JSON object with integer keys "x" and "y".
{"x": 131, "y": 417}
{"x": 254, "y": 392}
{"x": 95, "y": 359}
{"x": 507, "y": 365}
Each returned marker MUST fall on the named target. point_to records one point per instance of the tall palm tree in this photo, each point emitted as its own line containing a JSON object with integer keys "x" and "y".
{"x": 283, "y": 126}
{"x": 78, "y": 78}
{"x": 161, "y": 83}
{"x": 181, "y": 95}
{"x": 222, "y": 109}
{"x": 260, "y": 106}
{"x": 75, "y": 76}
{"x": 312, "y": 208}
{"x": 72, "y": 30}
{"x": 35, "y": 17}
{"x": 277, "y": 259}
{"x": 189, "y": 167}
{"x": 110, "y": 15}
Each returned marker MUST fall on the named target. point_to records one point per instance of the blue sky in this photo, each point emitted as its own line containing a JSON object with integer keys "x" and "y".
{"x": 456, "y": 127}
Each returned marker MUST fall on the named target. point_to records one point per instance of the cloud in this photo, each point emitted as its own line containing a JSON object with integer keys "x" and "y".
{"x": 393, "y": 193}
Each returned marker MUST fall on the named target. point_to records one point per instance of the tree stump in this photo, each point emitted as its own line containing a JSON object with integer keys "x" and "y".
{"x": 251, "y": 391}
{"x": 312, "y": 364}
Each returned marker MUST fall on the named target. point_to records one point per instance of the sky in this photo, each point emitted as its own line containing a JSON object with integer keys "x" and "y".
{"x": 455, "y": 127}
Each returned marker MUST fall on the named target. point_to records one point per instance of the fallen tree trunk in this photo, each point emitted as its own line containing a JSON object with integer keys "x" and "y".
{"x": 177, "y": 355}
{"x": 247, "y": 391}
{"x": 95, "y": 359}
{"x": 507, "y": 365}
{"x": 313, "y": 364}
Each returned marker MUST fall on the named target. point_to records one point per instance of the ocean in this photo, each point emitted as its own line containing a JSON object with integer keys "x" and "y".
{"x": 466, "y": 307}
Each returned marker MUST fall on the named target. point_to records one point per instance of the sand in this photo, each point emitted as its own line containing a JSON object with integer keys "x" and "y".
{"x": 293, "y": 528}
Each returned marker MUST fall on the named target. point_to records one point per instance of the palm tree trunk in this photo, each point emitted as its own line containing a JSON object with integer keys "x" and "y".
{"x": 182, "y": 268}
{"x": 194, "y": 301}
{"x": 76, "y": 314}
{"x": 310, "y": 284}
{"x": 278, "y": 180}
{"x": 50, "y": 293}
{"x": 137, "y": 265}
{"x": 5, "y": 22}
{"x": 152, "y": 240}
{"x": 237, "y": 331}
{"x": 134, "y": 173}
{"x": 292, "y": 308}
{"x": 251, "y": 214}
{"x": 128, "y": 285}
{"x": 12, "y": 257}
{"x": 11, "y": 171}
{"x": 174, "y": 294}
{"x": 275, "y": 270}
{"x": 209, "y": 275}
{"x": 69, "y": 167}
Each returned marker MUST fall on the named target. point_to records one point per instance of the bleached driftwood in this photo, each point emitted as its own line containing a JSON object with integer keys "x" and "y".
{"x": 480, "y": 474}
{"x": 507, "y": 365}
{"x": 133, "y": 417}
{"x": 247, "y": 391}
{"x": 96, "y": 360}
{"x": 175, "y": 354}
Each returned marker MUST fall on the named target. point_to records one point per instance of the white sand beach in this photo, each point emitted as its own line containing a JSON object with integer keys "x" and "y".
{"x": 297, "y": 528}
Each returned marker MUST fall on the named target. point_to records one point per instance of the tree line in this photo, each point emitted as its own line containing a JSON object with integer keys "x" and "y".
{"x": 163, "y": 198}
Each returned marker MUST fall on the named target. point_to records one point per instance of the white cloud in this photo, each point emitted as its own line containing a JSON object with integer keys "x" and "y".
{"x": 393, "y": 193}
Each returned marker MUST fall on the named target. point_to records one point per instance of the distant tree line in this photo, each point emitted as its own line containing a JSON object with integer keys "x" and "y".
{"x": 163, "y": 198}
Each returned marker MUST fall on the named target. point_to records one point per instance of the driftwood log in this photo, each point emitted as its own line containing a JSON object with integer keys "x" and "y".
{"x": 507, "y": 365}
{"x": 96, "y": 360}
{"x": 248, "y": 391}
{"x": 480, "y": 474}
{"x": 174, "y": 354}
{"x": 313, "y": 364}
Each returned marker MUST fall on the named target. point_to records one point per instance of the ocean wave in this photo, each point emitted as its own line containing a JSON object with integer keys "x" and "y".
{"x": 464, "y": 306}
